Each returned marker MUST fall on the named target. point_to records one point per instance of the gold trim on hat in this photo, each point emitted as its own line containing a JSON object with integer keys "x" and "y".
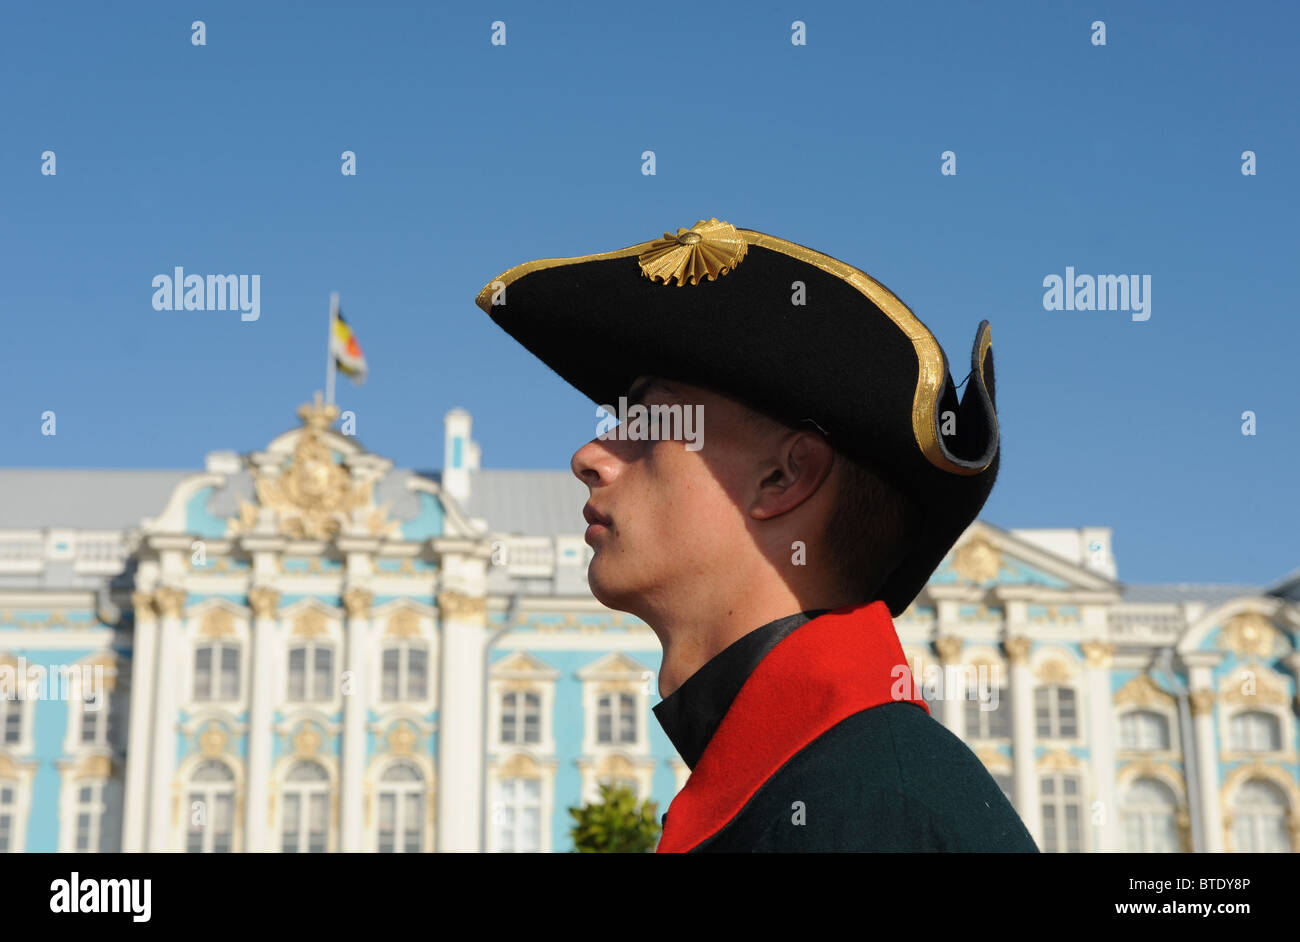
{"x": 707, "y": 249}
{"x": 932, "y": 367}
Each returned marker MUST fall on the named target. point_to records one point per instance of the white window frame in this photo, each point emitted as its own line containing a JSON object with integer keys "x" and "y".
{"x": 1060, "y": 800}
{"x": 311, "y": 648}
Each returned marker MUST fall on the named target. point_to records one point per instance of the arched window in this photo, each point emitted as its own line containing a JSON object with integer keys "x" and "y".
{"x": 1062, "y": 807}
{"x": 211, "y": 809}
{"x": 216, "y": 671}
{"x": 1148, "y": 818}
{"x": 8, "y": 815}
{"x": 98, "y": 815}
{"x": 311, "y": 672}
{"x": 304, "y": 818}
{"x": 1143, "y": 731}
{"x": 517, "y": 815}
{"x": 990, "y": 718}
{"x": 521, "y": 717}
{"x": 1055, "y": 712}
{"x": 1255, "y": 731}
{"x": 616, "y": 718}
{"x": 1259, "y": 819}
{"x": 405, "y": 671}
{"x": 402, "y": 797}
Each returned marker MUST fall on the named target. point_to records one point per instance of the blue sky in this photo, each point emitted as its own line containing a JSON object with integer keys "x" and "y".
{"x": 472, "y": 158}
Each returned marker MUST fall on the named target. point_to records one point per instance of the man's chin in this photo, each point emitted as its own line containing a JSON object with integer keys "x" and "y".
{"x": 611, "y": 592}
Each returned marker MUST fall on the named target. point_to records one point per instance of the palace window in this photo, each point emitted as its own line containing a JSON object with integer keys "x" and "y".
{"x": 8, "y": 815}
{"x": 1055, "y": 712}
{"x": 97, "y": 815}
{"x": 101, "y": 723}
{"x": 305, "y": 816}
{"x": 402, "y": 797}
{"x": 216, "y": 671}
{"x": 517, "y": 813}
{"x": 405, "y": 672}
{"x": 210, "y": 809}
{"x": 1143, "y": 731}
{"x": 1259, "y": 819}
{"x": 983, "y": 723}
{"x": 616, "y": 718}
{"x": 1062, "y": 813}
{"x": 11, "y": 720}
{"x": 311, "y": 672}
{"x": 521, "y": 717}
{"x": 1255, "y": 731}
{"x": 1148, "y": 820}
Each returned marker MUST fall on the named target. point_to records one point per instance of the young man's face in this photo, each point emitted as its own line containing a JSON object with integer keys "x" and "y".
{"x": 669, "y": 516}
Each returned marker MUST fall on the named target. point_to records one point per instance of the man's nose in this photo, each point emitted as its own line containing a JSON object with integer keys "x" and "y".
{"x": 595, "y": 463}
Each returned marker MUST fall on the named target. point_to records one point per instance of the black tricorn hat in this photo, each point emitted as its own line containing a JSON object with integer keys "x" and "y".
{"x": 794, "y": 334}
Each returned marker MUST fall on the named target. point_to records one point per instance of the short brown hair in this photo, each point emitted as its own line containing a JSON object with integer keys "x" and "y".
{"x": 872, "y": 523}
{"x": 871, "y": 529}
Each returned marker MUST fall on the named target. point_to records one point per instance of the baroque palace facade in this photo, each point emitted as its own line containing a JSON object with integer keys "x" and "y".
{"x": 306, "y": 649}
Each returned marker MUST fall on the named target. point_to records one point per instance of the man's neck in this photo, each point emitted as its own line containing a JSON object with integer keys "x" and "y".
{"x": 693, "y": 638}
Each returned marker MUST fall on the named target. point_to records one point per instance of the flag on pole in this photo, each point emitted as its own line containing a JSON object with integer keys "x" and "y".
{"x": 346, "y": 351}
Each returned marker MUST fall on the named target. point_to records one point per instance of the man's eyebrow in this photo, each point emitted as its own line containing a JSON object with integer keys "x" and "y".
{"x": 639, "y": 388}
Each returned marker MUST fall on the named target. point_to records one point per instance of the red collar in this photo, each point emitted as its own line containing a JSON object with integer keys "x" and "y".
{"x": 836, "y": 665}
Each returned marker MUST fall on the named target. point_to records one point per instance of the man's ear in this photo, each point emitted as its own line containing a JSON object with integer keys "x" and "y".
{"x": 791, "y": 474}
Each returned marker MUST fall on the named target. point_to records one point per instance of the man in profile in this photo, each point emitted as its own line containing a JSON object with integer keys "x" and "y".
{"x": 834, "y": 469}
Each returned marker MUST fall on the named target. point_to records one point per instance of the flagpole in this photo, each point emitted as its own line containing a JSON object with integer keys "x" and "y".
{"x": 329, "y": 350}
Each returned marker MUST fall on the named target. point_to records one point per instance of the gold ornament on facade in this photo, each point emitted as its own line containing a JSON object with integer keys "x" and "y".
{"x": 264, "y": 601}
{"x": 949, "y": 648}
{"x": 310, "y": 623}
{"x": 1054, "y": 671}
{"x": 1202, "y": 702}
{"x": 1249, "y": 634}
{"x": 403, "y": 624}
{"x": 312, "y": 494}
{"x": 1250, "y": 687}
{"x": 1142, "y": 691}
{"x": 977, "y": 560}
{"x": 357, "y": 602}
{"x": 170, "y": 601}
{"x": 1098, "y": 653}
{"x": 212, "y": 742}
{"x": 1058, "y": 760}
{"x": 217, "y": 623}
{"x": 306, "y": 742}
{"x": 709, "y": 249}
{"x": 457, "y": 606}
{"x": 519, "y": 766}
{"x": 93, "y": 767}
{"x": 1018, "y": 649}
{"x": 401, "y": 740}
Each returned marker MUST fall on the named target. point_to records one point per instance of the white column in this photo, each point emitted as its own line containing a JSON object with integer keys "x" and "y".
{"x": 1025, "y": 779}
{"x": 355, "y": 705}
{"x": 1207, "y": 756}
{"x": 171, "y": 605}
{"x": 135, "y": 811}
{"x": 1100, "y": 656}
{"x": 265, "y": 602}
{"x": 460, "y": 721}
{"x": 954, "y": 685}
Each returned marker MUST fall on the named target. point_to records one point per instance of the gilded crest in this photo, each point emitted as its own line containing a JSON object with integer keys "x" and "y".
{"x": 709, "y": 249}
{"x": 977, "y": 561}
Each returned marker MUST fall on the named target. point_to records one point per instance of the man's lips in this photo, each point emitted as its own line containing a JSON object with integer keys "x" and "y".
{"x": 598, "y": 521}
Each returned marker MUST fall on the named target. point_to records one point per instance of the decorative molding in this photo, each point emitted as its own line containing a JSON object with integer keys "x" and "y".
{"x": 1202, "y": 701}
{"x": 404, "y": 623}
{"x": 310, "y": 623}
{"x": 1018, "y": 650}
{"x": 1142, "y": 691}
{"x": 357, "y": 602}
{"x": 170, "y": 601}
{"x": 217, "y": 623}
{"x": 264, "y": 600}
{"x": 457, "y": 606}
{"x": 1250, "y": 634}
{"x": 949, "y": 648}
{"x": 1054, "y": 671}
{"x": 212, "y": 742}
{"x": 1099, "y": 654}
{"x": 977, "y": 560}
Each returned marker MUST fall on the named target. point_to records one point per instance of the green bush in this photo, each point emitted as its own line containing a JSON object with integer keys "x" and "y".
{"x": 615, "y": 824}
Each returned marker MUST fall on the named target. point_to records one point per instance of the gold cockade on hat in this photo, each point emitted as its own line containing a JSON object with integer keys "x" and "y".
{"x": 708, "y": 249}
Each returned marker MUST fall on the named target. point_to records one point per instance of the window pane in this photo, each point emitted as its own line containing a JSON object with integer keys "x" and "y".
{"x": 203, "y": 673}
{"x": 324, "y": 674}
{"x": 229, "y": 673}
{"x": 391, "y": 666}
{"x": 297, "y": 674}
{"x": 417, "y": 673}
